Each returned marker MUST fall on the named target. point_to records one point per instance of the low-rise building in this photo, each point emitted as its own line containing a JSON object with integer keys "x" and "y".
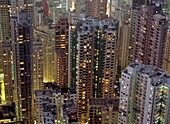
{"x": 103, "y": 110}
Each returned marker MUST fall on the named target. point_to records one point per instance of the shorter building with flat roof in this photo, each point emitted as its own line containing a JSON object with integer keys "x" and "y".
{"x": 103, "y": 110}
{"x": 8, "y": 114}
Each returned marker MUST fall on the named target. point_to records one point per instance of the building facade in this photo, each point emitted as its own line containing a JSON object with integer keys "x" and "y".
{"x": 147, "y": 44}
{"x": 95, "y": 62}
{"x": 103, "y": 111}
{"x": 5, "y": 109}
{"x": 84, "y": 68}
{"x": 44, "y": 107}
{"x": 61, "y": 52}
{"x": 22, "y": 37}
{"x": 37, "y": 69}
{"x": 5, "y": 50}
{"x": 96, "y": 8}
{"x": 37, "y": 65}
{"x": 27, "y": 5}
{"x": 46, "y": 35}
{"x": 123, "y": 45}
{"x": 58, "y": 9}
{"x": 166, "y": 62}
{"x": 79, "y": 7}
{"x": 55, "y": 105}
{"x": 144, "y": 95}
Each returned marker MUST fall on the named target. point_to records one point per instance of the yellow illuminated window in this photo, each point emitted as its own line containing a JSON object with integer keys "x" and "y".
{"x": 21, "y": 68}
{"x": 21, "y": 63}
{"x": 62, "y": 45}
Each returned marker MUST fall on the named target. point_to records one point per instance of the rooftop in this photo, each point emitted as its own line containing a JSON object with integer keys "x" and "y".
{"x": 43, "y": 93}
{"x": 160, "y": 76}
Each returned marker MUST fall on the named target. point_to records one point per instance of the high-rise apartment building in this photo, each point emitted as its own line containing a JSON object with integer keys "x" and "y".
{"x": 5, "y": 50}
{"x": 18, "y": 5}
{"x": 37, "y": 69}
{"x": 61, "y": 52}
{"x": 38, "y": 14}
{"x": 48, "y": 54}
{"x": 73, "y": 55}
{"x": 37, "y": 65}
{"x": 46, "y": 34}
{"x": 96, "y": 8}
{"x": 106, "y": 60}
{"x": 166, "y": 60}
{"x": 123, "y": 15}
{"x": 22, "y": 37}
{"x": 79, "y": 7}
{"x": 84, "y": 71}
{"x": 123, "y": 44}
{"x": 95, "y": 62}
{"x": 43, "y": 50}
{"x": 144, "y": 95}
{"x": 147, "y": 43}
{"x": 58, "y": 9}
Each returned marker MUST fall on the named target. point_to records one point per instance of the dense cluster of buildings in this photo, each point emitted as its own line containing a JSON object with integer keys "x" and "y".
{"x": 85, "y": 61}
